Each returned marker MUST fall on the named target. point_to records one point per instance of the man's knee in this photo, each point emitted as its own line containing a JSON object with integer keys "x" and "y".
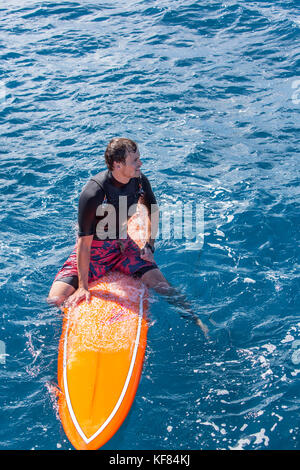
{"x": 56, "y": 300}
{"x": 154, "y": 279}
{"x": 59, "y": 292}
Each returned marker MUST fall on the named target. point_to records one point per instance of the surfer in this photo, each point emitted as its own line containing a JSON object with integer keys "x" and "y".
{"x": 103, "y": 243}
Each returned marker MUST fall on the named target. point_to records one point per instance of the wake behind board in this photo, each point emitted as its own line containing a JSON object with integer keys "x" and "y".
{"x": 101, "y": 354}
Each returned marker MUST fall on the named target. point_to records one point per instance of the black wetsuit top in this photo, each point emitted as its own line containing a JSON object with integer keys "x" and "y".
{"x": 104, "y": 189}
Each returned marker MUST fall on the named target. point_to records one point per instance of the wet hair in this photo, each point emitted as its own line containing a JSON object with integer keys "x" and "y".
{"x": 116, "y": 150}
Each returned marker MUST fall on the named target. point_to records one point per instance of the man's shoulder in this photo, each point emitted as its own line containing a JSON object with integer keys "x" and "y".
{"x": 100, "y": 178}
{"x": 144, "y": 177}
{"x": 145, "y": 181}
{"x": 94, "y": 185}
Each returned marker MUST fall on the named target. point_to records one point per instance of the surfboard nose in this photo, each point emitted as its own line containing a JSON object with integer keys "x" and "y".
{"x": 101, "y": 357}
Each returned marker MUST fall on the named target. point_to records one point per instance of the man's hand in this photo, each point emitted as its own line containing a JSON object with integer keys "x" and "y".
{"x": 147, "y": 255}
{"x": 79, "y": 295}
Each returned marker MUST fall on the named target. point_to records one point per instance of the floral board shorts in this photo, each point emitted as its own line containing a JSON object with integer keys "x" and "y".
{"x": 106, "y": 255}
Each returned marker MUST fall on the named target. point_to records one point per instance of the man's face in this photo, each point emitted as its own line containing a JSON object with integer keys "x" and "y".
{"x": 132, "y": 166}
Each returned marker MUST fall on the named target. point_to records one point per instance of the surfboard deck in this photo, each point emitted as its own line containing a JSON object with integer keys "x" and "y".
{"x": 101, "y": 353}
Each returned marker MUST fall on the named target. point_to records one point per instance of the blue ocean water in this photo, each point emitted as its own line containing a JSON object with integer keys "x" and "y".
{"x": 211, "y": 92}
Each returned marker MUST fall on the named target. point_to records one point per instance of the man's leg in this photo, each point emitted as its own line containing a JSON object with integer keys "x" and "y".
{"x": 59, "y": 292}
{"x": 154, "y": 279}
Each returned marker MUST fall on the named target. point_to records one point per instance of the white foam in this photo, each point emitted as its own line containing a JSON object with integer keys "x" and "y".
{"x": 220, "y": 233}
{"x": 268, "y": 372}
{"x": 208, "y": 423}
{"x": 288, "y": 338}
{"x": 269, "y": 347}
{"x": 260, "y": 437}
{"x": 240, "y": 445}
{"x": 222, "y": 392}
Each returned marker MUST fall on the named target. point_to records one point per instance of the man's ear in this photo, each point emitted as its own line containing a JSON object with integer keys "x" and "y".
{"x": 116, "y": 166}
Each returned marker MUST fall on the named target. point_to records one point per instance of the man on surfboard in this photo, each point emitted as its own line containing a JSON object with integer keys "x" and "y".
{"x": 102, "y": 244}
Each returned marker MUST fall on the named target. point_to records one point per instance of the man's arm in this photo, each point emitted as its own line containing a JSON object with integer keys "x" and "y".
{"x": 83, "y": 260}
{"x": 153, "y": 212}
{"x": 89, "y": 200}
{"x": 147, "y": 252}
{"x": 83, "y": 263}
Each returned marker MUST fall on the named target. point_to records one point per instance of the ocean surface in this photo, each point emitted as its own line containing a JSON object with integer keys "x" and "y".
{"x": 210, "y": 91}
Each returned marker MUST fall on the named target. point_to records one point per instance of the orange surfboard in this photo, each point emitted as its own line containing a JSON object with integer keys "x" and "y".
{"x": 101, "y": 353}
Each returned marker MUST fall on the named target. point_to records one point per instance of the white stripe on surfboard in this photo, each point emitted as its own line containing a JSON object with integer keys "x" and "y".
{"x": 71, "y": 411}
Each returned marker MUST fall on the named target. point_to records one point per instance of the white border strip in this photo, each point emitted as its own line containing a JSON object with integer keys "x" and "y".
{"x": 118, "y": 404}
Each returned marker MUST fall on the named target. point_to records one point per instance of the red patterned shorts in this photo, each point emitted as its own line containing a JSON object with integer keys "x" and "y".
{"x": 106, "y": 255}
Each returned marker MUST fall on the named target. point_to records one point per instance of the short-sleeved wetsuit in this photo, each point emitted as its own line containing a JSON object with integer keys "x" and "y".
{"x": 100, "y": 191}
